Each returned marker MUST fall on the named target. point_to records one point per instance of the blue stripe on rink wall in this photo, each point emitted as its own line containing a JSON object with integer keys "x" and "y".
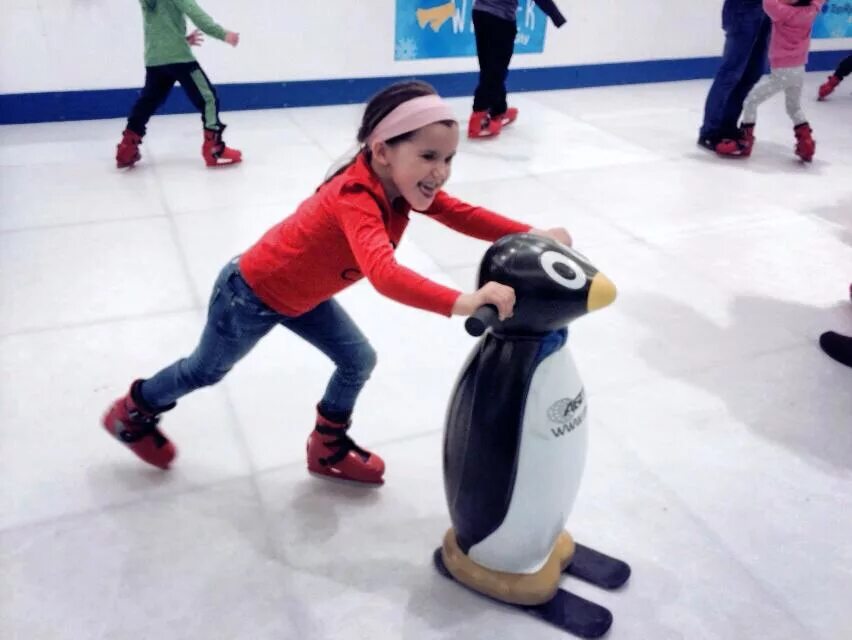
{"x": 18, "y": 108}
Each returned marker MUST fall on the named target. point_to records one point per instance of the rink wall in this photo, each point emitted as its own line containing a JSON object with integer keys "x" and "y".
{"x": 82, "y": 59}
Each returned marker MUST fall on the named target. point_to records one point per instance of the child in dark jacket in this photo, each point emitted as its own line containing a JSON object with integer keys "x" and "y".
{"x": 168, "y": 59}
{"x": 836, "y": 345}
{"x": 495, "y": 24}
{"x": 843, "y": 70}
{"x": 743, "y": 61}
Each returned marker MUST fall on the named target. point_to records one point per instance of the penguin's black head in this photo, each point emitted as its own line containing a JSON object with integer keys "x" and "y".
{"x": 553, "y": 283}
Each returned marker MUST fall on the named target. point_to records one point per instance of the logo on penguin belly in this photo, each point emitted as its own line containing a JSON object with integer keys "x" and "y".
{"x": 568, "y": 414}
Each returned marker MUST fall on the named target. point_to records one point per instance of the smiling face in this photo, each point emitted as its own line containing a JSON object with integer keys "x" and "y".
{"x": 417, "y": 167}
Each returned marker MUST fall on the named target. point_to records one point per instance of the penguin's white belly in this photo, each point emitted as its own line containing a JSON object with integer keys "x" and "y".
{"x": 550, "y": 464}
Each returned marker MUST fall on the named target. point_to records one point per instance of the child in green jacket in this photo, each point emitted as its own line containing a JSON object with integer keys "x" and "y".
{"x": 168, "y": 59}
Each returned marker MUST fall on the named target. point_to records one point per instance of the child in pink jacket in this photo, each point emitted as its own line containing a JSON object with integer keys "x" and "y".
{"x": 792, "y": 22}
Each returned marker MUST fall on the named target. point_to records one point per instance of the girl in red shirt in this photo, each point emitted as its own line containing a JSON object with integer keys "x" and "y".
{"x": 347, "y": 230}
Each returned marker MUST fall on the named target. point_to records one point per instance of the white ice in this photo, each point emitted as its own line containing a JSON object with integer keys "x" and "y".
{"x": 721, "y": 446}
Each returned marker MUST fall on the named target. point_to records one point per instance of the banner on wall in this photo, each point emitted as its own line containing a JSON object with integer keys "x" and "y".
{"x": 444, "y": 29}
{"x": 835, "y": 21}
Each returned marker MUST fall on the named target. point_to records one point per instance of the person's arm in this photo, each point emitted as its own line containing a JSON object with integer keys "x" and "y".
{"x": 779, "y": 10}
{"x": 200, "y": 19}
{"x": 482, "y": 223}
{"x": 195, "y": 39}
{"x": 549, "y": 7}
{"x": 361, "y": 220}
{"x": 470, "y": 220}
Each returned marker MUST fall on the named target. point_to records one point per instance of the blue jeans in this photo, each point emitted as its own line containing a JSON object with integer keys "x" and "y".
{"x": 743, "y": 62}
{"x": 237, "y": 319}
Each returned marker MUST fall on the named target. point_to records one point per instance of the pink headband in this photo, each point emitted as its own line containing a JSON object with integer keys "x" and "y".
{"x": 410, "y": 115}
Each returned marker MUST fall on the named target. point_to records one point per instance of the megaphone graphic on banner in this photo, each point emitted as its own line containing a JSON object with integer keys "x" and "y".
{"x": 436, "y": 16}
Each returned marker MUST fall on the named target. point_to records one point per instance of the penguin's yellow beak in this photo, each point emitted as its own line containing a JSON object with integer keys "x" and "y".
{"x": 601, "y": 293}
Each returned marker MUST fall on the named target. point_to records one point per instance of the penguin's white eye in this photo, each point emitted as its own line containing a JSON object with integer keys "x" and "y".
{"x": 563, "y": 270}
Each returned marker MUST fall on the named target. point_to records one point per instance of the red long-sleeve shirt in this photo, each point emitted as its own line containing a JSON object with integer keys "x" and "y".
{"x": 347, "y": 230}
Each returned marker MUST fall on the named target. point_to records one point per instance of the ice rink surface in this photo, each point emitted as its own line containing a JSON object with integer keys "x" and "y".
{"x": 720, "y": 463}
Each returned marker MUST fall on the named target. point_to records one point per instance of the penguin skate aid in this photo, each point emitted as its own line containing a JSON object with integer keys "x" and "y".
{"x": 346, "y": 231}
{"x": 520, "y": 405}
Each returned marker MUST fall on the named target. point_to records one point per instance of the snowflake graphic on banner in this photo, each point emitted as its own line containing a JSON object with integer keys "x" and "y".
{"x": 406, "y": 49}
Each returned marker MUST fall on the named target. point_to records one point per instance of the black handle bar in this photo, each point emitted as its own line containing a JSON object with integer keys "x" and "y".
{"x": 484, "y": 317}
